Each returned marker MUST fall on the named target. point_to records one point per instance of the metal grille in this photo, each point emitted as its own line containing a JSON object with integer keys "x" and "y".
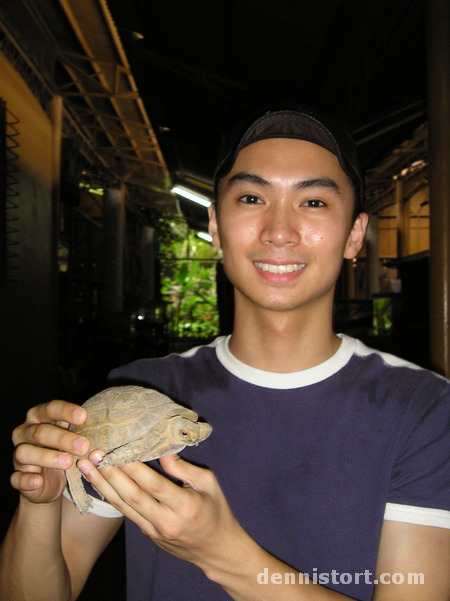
{"x": 9, "y": 208}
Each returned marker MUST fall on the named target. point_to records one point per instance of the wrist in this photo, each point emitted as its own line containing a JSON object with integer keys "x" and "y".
{"x": 39, "y": 513}
{"x": 239, "y": 559}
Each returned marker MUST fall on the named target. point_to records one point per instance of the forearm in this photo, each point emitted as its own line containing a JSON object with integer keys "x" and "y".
{"x": 249, "y": 573}
{"x": 32, "y": 566}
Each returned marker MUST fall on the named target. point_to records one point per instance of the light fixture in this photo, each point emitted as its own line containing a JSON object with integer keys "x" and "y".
{"x": 205, "y": 236}
{"x": 190, "y": 195}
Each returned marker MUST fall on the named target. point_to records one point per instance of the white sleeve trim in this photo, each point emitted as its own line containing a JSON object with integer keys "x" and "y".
{"x": 394, "y": 512}
{"x": 424, "y": 516}
{"x": 101, "y": 508}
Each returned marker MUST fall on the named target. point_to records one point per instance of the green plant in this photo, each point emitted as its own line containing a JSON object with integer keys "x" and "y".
{"x": 188, "y": 282}
{"x": 382, "y": 316}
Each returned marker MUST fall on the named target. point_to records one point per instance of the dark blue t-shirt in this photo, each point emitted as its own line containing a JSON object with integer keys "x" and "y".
{"x": 310, "y": 462}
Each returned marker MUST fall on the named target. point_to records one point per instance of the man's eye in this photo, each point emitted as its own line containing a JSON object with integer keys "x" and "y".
{"x": 250, "y": 199}
{"x": 314, "y": 203}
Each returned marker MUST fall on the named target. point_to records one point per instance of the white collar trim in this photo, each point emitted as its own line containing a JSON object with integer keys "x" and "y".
{"x": 284, "y": 381}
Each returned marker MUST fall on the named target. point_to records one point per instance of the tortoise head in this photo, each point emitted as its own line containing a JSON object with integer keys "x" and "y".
{"x": 185, "y": 431}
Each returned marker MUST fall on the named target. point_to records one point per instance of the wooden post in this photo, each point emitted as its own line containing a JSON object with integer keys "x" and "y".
{"x": 111, "y": 293}
{"x": 438, "y": 89}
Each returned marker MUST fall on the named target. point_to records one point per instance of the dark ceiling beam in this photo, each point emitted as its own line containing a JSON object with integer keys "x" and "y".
{"x": 207, "y": 80}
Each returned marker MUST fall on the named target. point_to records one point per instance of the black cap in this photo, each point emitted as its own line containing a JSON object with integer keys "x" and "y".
{"x": 299, "y": 124}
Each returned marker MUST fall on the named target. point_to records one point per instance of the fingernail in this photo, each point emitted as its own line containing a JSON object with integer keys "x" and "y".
{"x": 63, "y": 460}
{"x": 79, "y": 444}
{"x": 96, "y": 458}
{"x": 85, "y": 468}
{"x": 78, "y": 414}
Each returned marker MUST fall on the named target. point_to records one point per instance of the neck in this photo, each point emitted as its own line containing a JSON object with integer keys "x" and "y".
{"x": 283, "y": 341}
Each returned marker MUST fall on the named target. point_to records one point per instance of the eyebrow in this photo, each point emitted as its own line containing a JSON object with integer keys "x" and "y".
{"x": 316, "y": 182}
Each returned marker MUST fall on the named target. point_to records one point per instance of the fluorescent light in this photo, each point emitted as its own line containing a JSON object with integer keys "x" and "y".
{"x": 205, "y": 236}
{"x": 201, "y": 200}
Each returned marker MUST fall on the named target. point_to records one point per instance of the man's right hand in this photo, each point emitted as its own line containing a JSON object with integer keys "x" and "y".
{"x": 50, "y": 547}
{"x": 45, "y": 448}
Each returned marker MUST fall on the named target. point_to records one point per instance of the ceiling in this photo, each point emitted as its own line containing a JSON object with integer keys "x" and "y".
{"x": 201, "y": 65}
{"x": 70, "y": 50}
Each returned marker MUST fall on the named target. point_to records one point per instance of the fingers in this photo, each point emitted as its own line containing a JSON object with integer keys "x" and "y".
{"x": 134, "y": 486}
{"x": 122, "y": 493}
{"x": 32, "y": 478}
{"x": 39, "y": 485}
{"x": 182, "y": 520}
{"x": 133, "y": 481}
{"x": 46, "y": 426}
{"x": 144, "y": 490}
{"x": 29, "y": 458}
{"x": 136, "y": 482}
{"x": 26, "y": 482}
{"x": 53, "y": 437}
{"x": 198, "y": 478}
{"x": 152, "y": 483}
{"x": 55, "y": 411}
{"x": 45, "y": 448}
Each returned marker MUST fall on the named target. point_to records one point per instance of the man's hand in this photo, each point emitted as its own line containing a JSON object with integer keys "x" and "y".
{"x": 186, "y": 521}
{"x": 44, "y": 448}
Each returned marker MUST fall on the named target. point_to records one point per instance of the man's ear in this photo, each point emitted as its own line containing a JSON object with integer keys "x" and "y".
{"x": 356, "y": 237}
{"x": 212, "y": 226}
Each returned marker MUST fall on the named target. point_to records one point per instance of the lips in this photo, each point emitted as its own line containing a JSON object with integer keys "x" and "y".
{"x": 280, "y": 269}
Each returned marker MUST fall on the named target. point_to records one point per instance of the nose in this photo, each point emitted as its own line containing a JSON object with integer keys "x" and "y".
{"x": 281, "y": 227}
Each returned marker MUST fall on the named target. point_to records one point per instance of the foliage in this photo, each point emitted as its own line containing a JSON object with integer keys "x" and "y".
{"x": 188, "y": 279}
{"x": 382, "y": 316}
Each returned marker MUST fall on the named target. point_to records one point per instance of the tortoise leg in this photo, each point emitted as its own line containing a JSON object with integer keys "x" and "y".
{"x": 128, "y": 453}
{"x": 79, "y": 495}
{"x": 139, "y": 450}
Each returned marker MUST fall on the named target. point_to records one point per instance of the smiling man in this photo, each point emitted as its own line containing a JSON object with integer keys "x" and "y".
{"x": 326, "y": 476}
{"x": 285, "y": 220}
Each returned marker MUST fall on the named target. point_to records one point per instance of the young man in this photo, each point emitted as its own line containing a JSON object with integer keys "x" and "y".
{"x": 327, "y": 459}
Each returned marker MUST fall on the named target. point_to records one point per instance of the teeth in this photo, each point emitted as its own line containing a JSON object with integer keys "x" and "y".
{"x": 280, "y": 269}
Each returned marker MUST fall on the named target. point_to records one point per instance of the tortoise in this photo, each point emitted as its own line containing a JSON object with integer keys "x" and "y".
{"x": 133, "y": 423}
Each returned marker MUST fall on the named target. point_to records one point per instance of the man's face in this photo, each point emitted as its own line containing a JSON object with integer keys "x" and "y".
{"x": 284, "y": 223}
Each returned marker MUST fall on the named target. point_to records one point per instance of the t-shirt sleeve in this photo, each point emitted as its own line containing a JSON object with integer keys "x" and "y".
{"x": 99, "y": 507}
{"x": 421, "y": 474}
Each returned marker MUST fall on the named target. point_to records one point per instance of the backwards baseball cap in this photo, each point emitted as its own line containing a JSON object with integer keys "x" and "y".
{"x": 298, "y": 124}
